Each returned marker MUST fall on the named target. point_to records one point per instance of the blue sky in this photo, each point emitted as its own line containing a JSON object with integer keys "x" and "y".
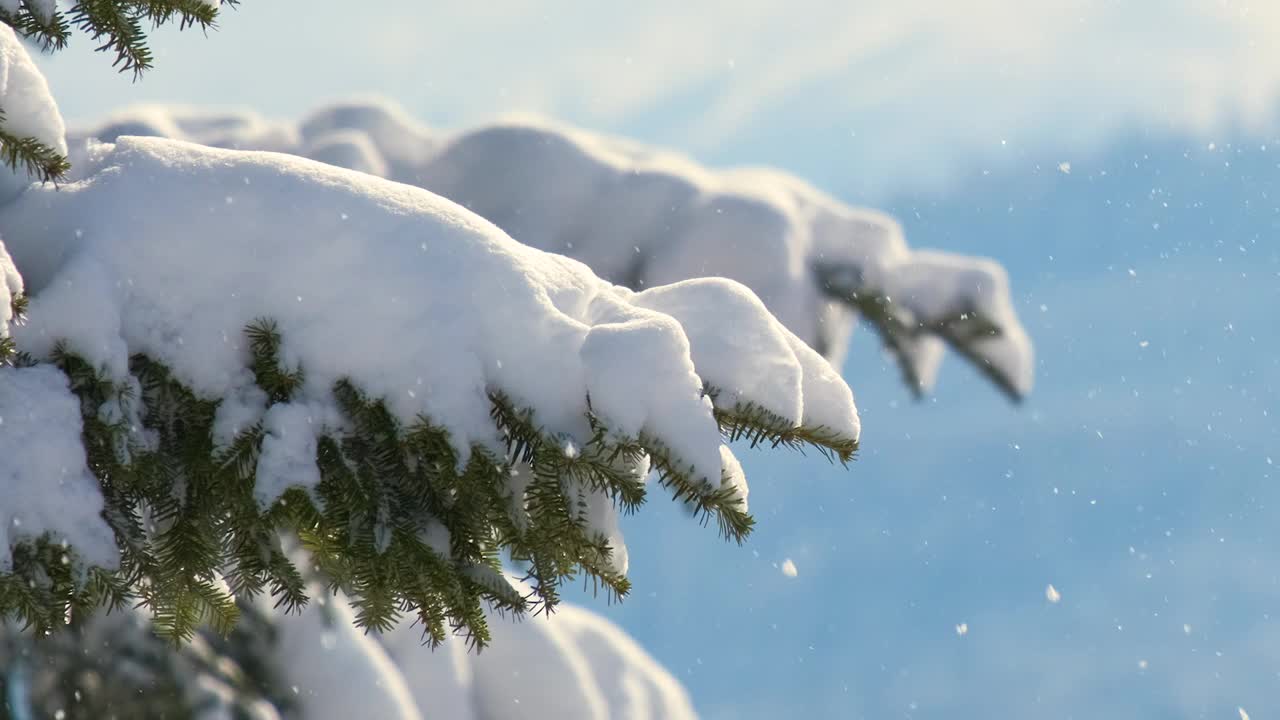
{"x": 1141, "y": 477}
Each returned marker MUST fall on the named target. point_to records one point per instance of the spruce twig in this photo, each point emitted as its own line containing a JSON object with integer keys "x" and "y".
{"x": 963, "y": 330}
{"x": 30, "y": 155}
{"x": 401, "y": 521}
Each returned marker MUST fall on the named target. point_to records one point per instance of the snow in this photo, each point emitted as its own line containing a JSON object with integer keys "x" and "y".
{"x": 10, "y": 286}
{"x": 29, "y": 108}
{"x": 44, "y": 467}
{"x": 573, "y": 664}
{"x": 531, "y": 667}
{"x": 337, "y": 671}
{"x": 399, "y": 143}
{"x": 171, "y": 249}
{"x": 634, "y": 686}
{"x": 760, "y": 365}
{"x": 733, "y": 475}
{"x": 602, "y": 518}
{"x": 289, "y": 448}
{"x": 44, "y": 9}
{"x": 1052, "y": 594}
{"x": 936, "y": 284}
{"x": 441, "y": 681}
{"x": 644, "y": 217}
{"x": 348, "y": 149}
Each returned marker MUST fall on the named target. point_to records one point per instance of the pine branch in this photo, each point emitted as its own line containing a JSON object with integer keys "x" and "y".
{"x": 722, "y": 502}
{"x": 963, "y": 330}
{"x": 189, "y": 13}
{"x": 50, "y": 33}
{"x": 118, "y": 27}
{"x": 18, "y": 302}
{"x": 264, "y": 345}
{"x": 116, "y": 24}
{"x": 29, "y": 154}
{"x": 758, "y": 426}
{"x": 398, "y": 521}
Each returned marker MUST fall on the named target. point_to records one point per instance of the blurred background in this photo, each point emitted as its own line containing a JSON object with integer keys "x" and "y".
{"x": 1120, "y": 157}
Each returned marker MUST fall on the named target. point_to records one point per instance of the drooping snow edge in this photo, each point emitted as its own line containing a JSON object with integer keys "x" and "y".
{"x": 311, "y": 246}
{"x": 642, "y": 217}
{"x": 167, "y": 251}
{"x": 48, "y": 489}
{"x": 29, "y": 110}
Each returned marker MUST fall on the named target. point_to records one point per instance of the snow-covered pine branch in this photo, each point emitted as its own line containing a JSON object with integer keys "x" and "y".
{"x": 257, "y": 342}
{"x": 223, "y": 346}
{"x": 32, "y": 145}
{"x": 642, "y": 217}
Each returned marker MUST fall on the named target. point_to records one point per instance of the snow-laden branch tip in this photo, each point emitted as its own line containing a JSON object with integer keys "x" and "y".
{"x": 27, "y": 112}
{"x": 170, "y": 249}
{"x": 47, "y": 486}
{"x": 11, "y": 288}
{"x": 642, "y": 217}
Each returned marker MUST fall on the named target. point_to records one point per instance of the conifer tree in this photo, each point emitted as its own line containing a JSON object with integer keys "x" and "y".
{"x": 115, "y": 665}
{"x": 193, "y": 539}
{"x": 404, "y": 520}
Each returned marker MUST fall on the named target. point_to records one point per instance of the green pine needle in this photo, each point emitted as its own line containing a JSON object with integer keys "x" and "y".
{"x": 398, "y": 521}
{"x": 963, "y": 330}
{"x": 30, "y": 155}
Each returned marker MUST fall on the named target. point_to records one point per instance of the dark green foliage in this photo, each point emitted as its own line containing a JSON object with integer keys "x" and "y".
{"x": 118, "y": 27}
{"x": 9, "y": 353}
{"x": 30, "y": 155}
{"x": 962, "y": 330}
{"x": 398, "y": 521}
{"x": 49, "y": 33}
{"x": 761, "y": 427}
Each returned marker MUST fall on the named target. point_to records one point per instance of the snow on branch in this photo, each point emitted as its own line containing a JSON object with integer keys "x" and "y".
{"x": 642, "y": 217}
{"x": 259, "y": 342}
{"x": 32, "y": 136}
